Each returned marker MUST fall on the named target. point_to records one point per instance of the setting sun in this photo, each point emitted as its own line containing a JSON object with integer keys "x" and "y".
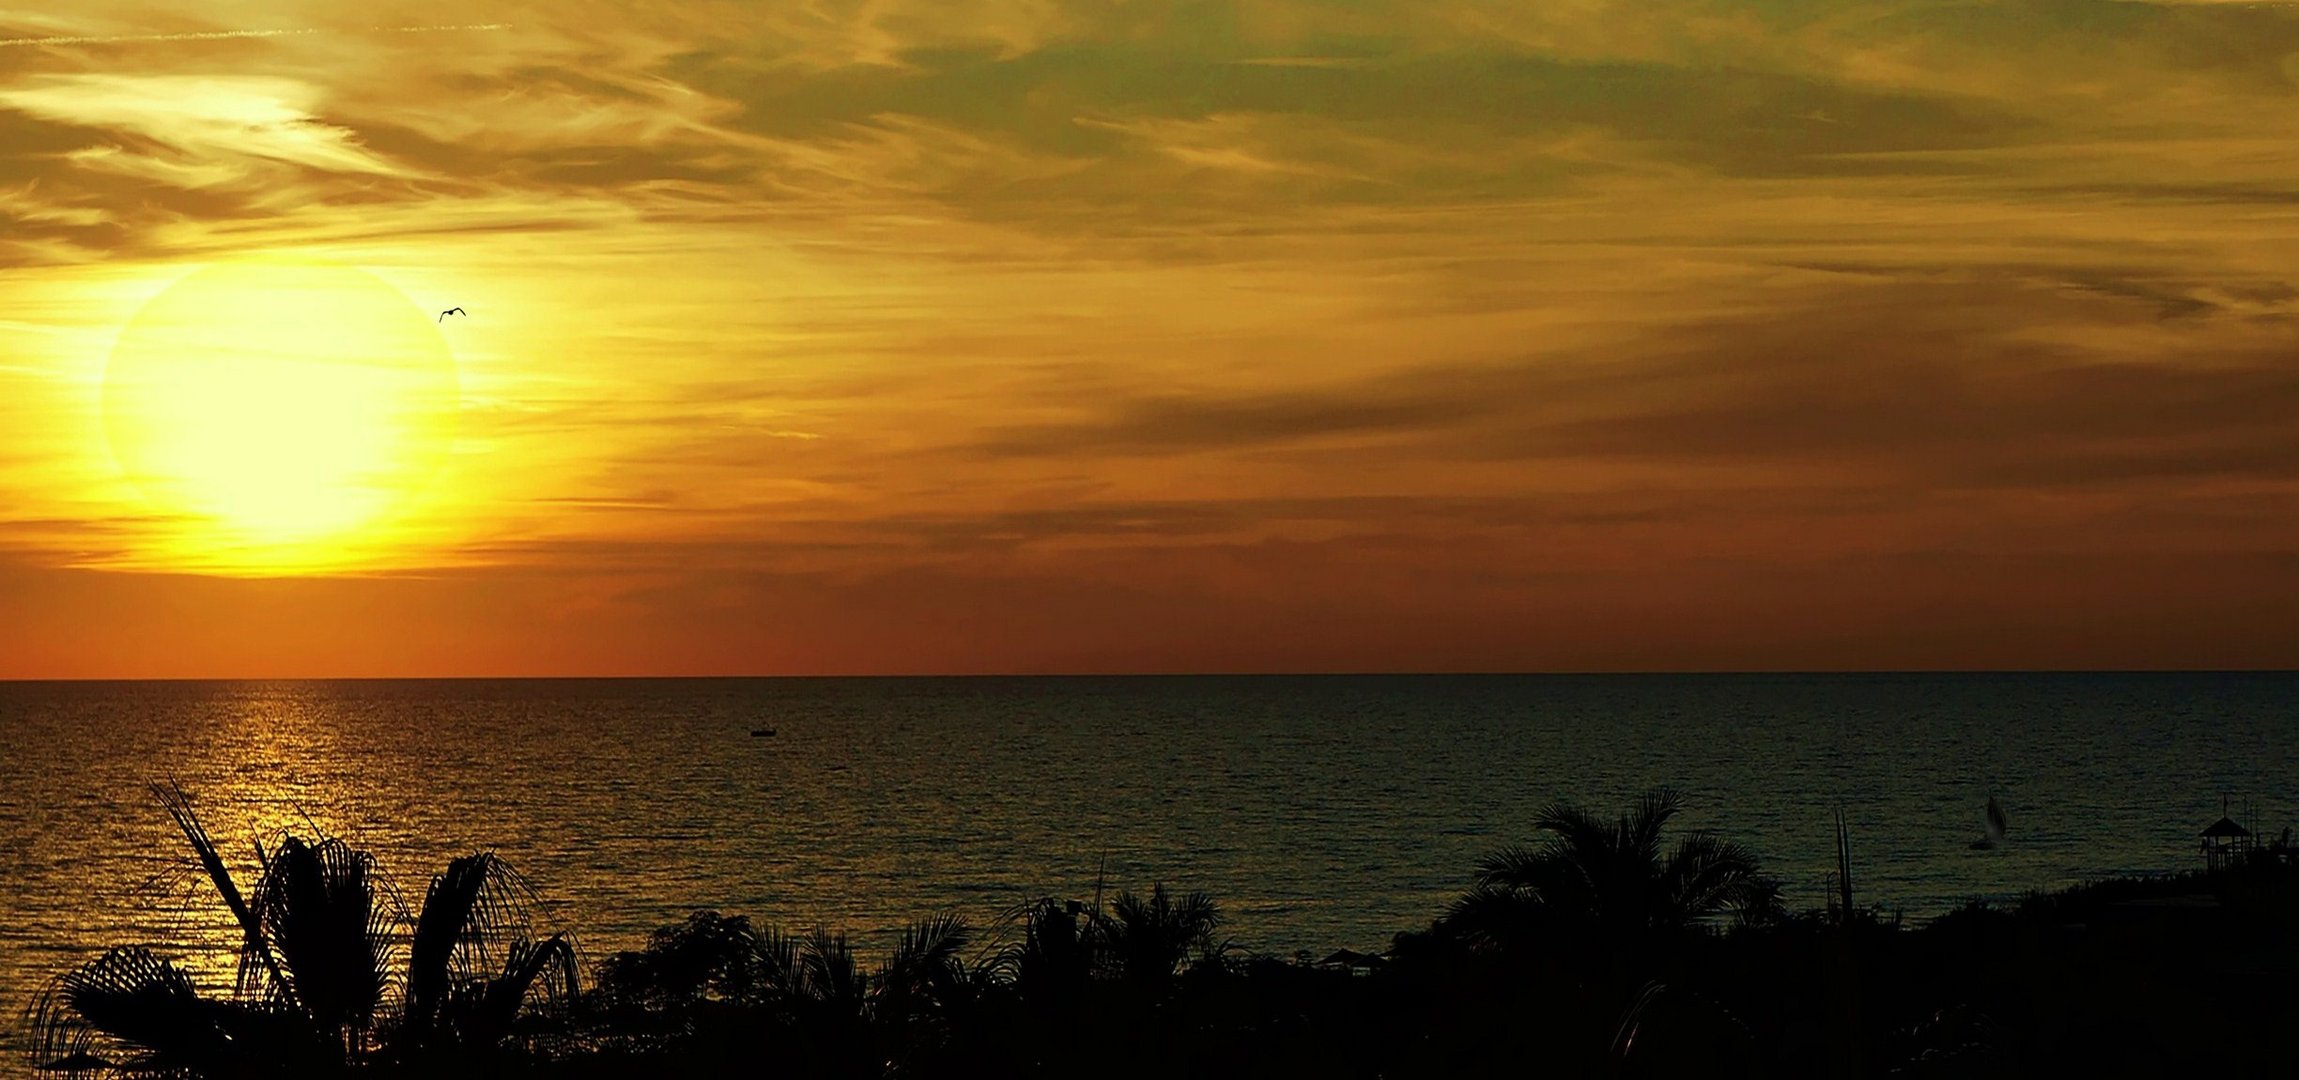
{"x": 278, "y": 408}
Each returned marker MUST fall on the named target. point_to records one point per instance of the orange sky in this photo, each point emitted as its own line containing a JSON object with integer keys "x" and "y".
{"x": 938, "y": 336}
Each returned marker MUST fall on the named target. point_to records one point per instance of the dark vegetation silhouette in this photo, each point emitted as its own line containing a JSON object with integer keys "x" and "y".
{"x": 1606, "y": 947}
{"x": 319, "y": 985}
{"x": 1610, "y": 886}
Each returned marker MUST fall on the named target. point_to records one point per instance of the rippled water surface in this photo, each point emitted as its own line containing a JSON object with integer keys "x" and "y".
{"x": 1320, "y": 811}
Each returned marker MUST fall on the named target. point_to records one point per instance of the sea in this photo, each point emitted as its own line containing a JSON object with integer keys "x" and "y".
{"x": 1320, "y": 812}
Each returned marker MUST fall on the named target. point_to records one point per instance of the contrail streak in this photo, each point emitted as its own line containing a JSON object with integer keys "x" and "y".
{"x": 220, "y": 35}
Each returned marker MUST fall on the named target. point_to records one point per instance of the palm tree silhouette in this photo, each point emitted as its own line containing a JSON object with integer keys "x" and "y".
{"x": 1146, "y": 940}
{"x": 319, "y": 935}
{"x": 1054, "y": 961}
{"x": 1609, "y": 883}
{"x": 721, "y": 984}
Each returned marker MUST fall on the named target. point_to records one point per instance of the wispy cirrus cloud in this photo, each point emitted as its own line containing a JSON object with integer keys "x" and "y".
{"x": 228, "y": 35}
{"x": 198, "y": 119}
{"x": 788, "y": 303}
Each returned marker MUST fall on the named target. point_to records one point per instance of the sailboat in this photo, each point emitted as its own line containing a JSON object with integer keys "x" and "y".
{"x": 1996, "y": 827}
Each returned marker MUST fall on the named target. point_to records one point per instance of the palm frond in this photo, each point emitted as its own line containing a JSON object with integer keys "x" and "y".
{"x": 1640, "y": 832}
{"x": 259, "y": 968}
{"x": 1514, "y": 867}
{"x": 1608, "y": 877}
{"x": 1149, "y": 937}
{"x": 928, "y": 948}
{"x": 316, "y": 903}
{"x": 1705, "y": 876}
{"x": 1758, "y": 903}
{"x": 475, "y": 903}
{"x": 828, "y": 973}
{"x": 925, "y": 968}
{"x": 137, "y": 1005}
{"x": 318, "y": 937}
{"x": 542, "y": 972}
{"x": 777, "y": 955}
{"x": 1559, "y": 877}
{"x": 1573, "y": 827}
{"x": 1491, "y": 917}
{"x": 1198, "y": 913}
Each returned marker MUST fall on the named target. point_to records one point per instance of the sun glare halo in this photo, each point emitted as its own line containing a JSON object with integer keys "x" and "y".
{"x": 276, "y": 410}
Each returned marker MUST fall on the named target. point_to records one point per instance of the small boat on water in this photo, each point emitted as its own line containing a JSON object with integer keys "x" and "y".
{"x": 762, "y": 733}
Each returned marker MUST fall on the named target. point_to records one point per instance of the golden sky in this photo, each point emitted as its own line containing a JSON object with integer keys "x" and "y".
{"x": 942, "y": 336}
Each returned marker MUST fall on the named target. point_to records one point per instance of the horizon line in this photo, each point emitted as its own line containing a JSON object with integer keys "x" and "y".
{"x": 1312, "y": 674}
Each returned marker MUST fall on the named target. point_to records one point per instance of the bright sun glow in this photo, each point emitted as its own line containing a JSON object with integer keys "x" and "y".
{"x": 277, "y": 411}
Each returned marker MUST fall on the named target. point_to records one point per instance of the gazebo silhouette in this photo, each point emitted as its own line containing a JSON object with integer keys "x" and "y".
{"x": 2225, "y": 843}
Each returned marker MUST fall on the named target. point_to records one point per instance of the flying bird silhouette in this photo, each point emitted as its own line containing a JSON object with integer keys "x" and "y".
{"x": 451, "y": 311}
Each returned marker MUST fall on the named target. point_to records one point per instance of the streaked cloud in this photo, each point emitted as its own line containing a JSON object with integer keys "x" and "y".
{"x": 199, "y": 118}
{"x": 903, "y": 306}
{"x": 224, "y": 35}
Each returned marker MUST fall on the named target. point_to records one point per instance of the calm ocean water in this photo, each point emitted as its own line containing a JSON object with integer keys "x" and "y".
{"x": 1320, "y": 811}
